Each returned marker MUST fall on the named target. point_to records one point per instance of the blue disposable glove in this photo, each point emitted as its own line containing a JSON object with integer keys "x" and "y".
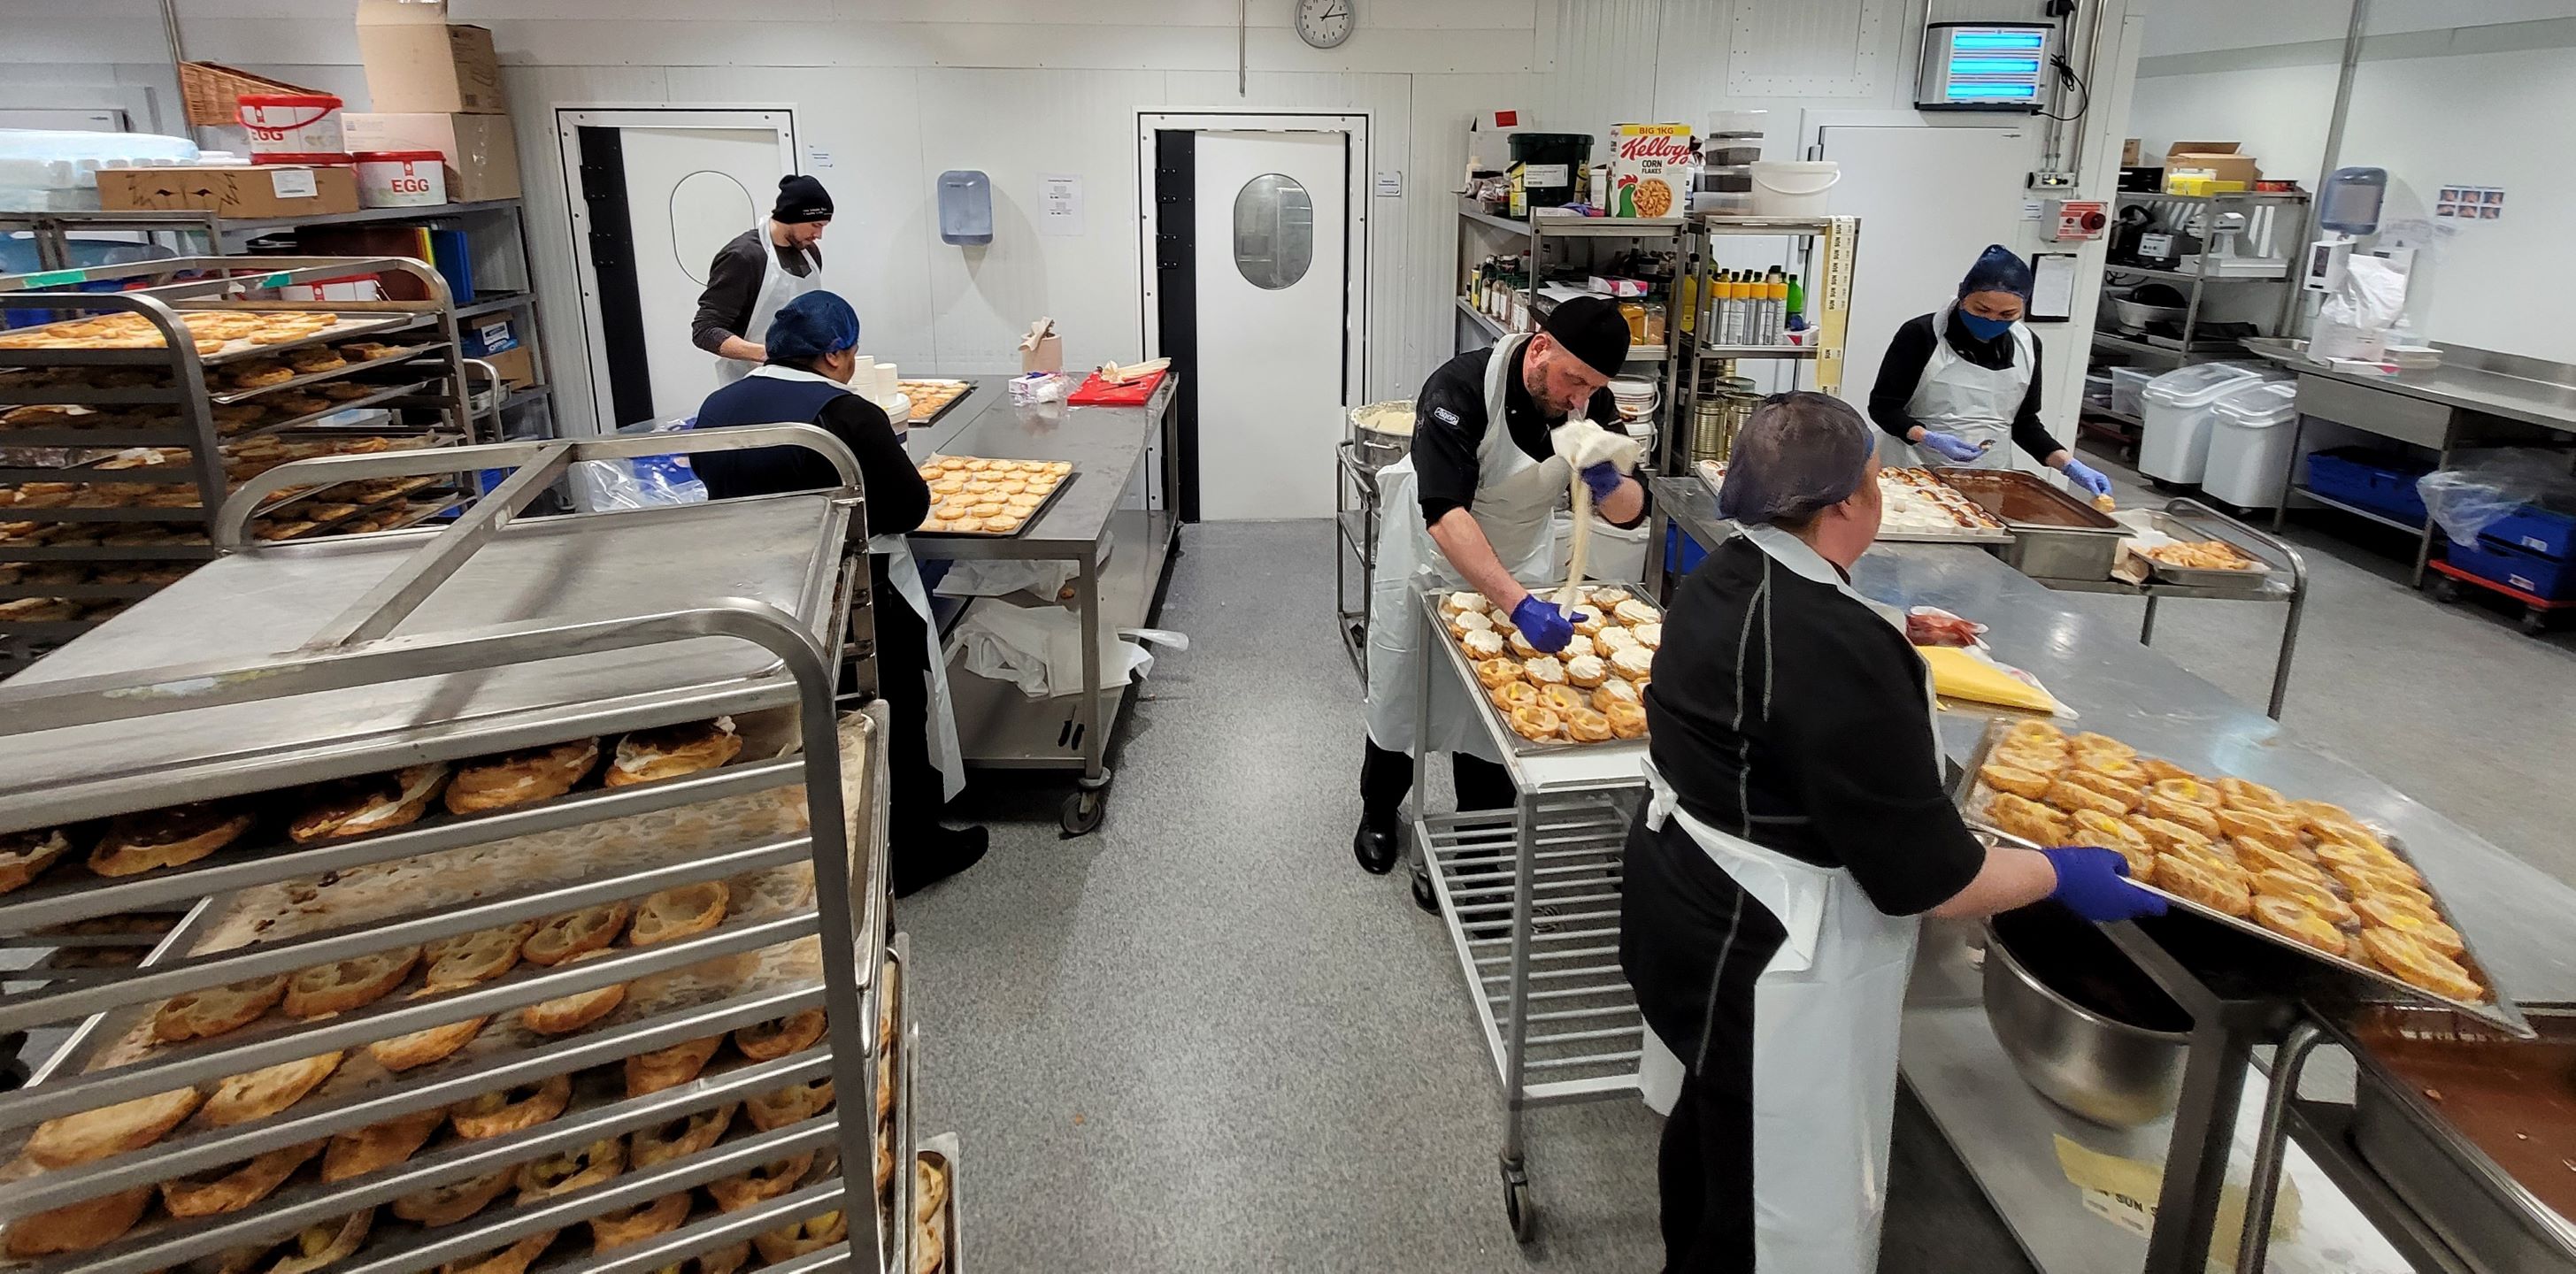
{"x": 1542, "y": 623}
{"x": 2094, "y": 884}
{"x": 2087, "y": 477}
{"x": 1950, "y": 446}
{"x": 1603, "y": 478}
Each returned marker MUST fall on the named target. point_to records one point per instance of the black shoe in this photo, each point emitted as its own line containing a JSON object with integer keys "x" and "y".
{"x": 947, "y": 852}
{"x": 1376, "y": 850}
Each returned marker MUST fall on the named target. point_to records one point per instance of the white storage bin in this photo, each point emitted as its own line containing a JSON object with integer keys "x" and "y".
{"x": 1794, "y": 187}
{"x": 1618, "y": 553}
{"x": 2173, "y": 443}
{"x": 2249, "y": 443}
{"x": 2127, "y": 383}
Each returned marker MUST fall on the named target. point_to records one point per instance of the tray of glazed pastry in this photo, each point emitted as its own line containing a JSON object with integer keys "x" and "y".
{"x": 2304, "y": 874}
{"x": 1590, "y": 692}
{"x": 973, "y": 495}
{"x": 219, "y": 335}
{"x": 1914, "y": 507}
{"x": 932, "y": 399}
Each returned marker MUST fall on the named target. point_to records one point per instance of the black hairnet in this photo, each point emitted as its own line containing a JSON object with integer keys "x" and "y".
{"x": 811, "y": 326}
{"x": 1798, "y": 453}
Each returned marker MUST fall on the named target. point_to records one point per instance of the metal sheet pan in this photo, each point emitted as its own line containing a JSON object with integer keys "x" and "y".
{"x": 2462, "y": 1193}
{"x": 941, "y": 1152}
{"x": 919, "y": 420}
{"x": 1062, "y": 486}
{"x": 1500, "y": 727}
{"x": 1714, "y": 474}
{"x": 2501, "y": 1011}
{"x": 2183, "y": 526}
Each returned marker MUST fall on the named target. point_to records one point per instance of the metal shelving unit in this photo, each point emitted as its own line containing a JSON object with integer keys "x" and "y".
{"x": 1827, "y": 248}
{"x": 178, "y": 404}
{"x": 1355, "y": 526}
{"x": 1530, "y": 896}
{"x": 497, "y": 633}
{"x": 2121, "y": 428}
{"x": 1477, "y": 329}
{"x": 210, "y": 234}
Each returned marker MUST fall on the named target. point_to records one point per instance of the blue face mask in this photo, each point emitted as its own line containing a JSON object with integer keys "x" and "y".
{"x": 1984, "y": 329}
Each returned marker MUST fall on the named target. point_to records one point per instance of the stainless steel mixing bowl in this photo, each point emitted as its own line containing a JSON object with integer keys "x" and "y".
{"x": 2122, "y": 1073}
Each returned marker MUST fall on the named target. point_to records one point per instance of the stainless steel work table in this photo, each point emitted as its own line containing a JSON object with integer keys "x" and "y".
{"x": 2475, "y": 397}
{"x": 2000, "y": 1128}
{"x": 1691, "y": 505}
{"x": 1101, "y": 522}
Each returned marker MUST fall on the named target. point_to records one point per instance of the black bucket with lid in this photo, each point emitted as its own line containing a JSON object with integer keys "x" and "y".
{"x": 1551, "y": 163}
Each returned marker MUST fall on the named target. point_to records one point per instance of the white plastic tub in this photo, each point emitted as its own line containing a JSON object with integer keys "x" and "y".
{"x": 2127, "y": 384}
{"x": 1794, "y": 187}
{"x": 2249, "y": 443}
{"x": 401, "y": 179}
{"x": 291, "y": 124}
{"x": 2173, "y": 442}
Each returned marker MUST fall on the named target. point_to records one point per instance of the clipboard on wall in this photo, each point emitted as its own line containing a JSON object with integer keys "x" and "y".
{"x": 2052, "y": 287}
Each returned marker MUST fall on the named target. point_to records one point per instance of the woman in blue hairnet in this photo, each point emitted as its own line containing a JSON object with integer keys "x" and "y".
{"x": 1960, "y": 381}
{"x": 1797, "y": 829}
{"x": 812, "y": 344}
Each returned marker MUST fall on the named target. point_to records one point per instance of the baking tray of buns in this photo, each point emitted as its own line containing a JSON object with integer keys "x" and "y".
{"x": 223, "y": 336}
{"x": 2302, "y": 874}
{"x": 1590, "y": 693}
{"x": 1914, "y": 508}
{"x": 990, "y": 498}
{"x": 932, "y": 399}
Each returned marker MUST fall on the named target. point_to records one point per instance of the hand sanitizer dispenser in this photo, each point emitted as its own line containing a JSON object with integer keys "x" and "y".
{"x": 965, "y": 207}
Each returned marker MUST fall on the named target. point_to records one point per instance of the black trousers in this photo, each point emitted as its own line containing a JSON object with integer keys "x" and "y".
{"x": 1387, "y": 776}
{"x": 1693, "y": 944}
{"x": 913, "y": 797}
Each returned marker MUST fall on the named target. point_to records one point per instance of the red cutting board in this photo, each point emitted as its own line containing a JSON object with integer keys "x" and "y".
{"x": 1096, "y": 392}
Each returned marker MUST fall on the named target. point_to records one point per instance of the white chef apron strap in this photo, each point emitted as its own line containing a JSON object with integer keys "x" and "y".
{"x": 1826, "y": 1012}
{"x": 945, "y": 753}
{"x": 1955, "y": 396}
{"x": 777, "y": 287}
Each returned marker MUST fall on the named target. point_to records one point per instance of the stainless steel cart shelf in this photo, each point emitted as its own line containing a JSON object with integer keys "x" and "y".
{"x": 490, "y": 634}
{"x": 432, "y": 394}
{"x": 1530, "y": 897}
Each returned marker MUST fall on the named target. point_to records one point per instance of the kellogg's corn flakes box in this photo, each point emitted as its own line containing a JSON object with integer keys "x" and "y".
{"x": 1649, "y": 170}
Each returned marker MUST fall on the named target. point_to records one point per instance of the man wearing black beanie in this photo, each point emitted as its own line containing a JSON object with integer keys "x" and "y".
{"x": 758, "y": 271}
{"x": 1486, "y": 478}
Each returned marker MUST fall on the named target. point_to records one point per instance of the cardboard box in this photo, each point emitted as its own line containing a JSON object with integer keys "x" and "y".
{"x": 487, "y": 336}
{"x": 2130, "y": 151}
{"x": 2218, "y": 160}
{"x": 1648, "y": 163}
{"x": 1042, "y": 350}
{"x": 268, "y": 190}
{"x": 518, "y": 366}
{"x": 481, "y": 152}
{"x": 417, "y": 61}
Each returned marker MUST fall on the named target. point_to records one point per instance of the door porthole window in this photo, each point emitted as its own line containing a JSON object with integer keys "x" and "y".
{"x": 1274, "y": 232}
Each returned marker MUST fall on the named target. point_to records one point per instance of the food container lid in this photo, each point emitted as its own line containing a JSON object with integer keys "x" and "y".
{"x": 2260, "y": 405}
{"x": 318, "y": 159}
{"x": 397, "y": 156}
{"x": 2199, "y": 385}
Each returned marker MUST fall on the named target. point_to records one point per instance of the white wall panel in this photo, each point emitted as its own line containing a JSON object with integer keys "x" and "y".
{"x": 1821, "y": 48}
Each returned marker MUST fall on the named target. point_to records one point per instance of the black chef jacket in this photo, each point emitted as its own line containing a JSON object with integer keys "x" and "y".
{"x": 1449, "y": 425}
{"x": 1793, "y": 716}
{"x": 1910, "y": 351}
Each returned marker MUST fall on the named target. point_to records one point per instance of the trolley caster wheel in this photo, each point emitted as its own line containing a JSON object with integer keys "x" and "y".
{"x": 1423, "y": 895}
{"x": 2446, "y": 590}
{"x": 1083, "y": 812}
{"x": 2534, "y": 623}
{"x": 1520, "y": 1210}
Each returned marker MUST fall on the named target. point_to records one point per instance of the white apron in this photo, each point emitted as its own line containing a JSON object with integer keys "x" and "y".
{"x": 777, "y": 288}
{"x": 1976, "y": 403}
{"x": 1826, "y": 1012}
{"x": 905, "y": 574}
{"x": 1515, "y": 506}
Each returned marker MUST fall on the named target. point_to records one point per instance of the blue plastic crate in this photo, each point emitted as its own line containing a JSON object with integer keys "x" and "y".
{"x": 2546, "y": 578}
{"x": 1681, "y": 552}
{"x": 2543, "y": 531}
{"x": 2372, "y": 480}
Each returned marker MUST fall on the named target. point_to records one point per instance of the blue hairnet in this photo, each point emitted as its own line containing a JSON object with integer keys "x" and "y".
{"x": 1997, "y": 270}
{"x": 1798, "y": 453}
{"x": 811, "y": 326}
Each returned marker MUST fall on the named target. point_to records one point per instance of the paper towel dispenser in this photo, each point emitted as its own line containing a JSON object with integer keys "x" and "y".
{"x": 965, "y": 207}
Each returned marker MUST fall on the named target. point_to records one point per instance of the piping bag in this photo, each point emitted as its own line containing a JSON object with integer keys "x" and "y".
{"x": 1584, "y": 444}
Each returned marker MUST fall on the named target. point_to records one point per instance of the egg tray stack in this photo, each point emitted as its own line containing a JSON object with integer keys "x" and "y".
{"x": 1590, "y": 692}
{"x": 2303, "y": 874}
{"x": 110, "y": 438}
{"x": 614, "y": 1038}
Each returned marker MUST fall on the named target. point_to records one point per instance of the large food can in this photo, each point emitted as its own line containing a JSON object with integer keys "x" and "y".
{"x": 401, "y": 178}
{"x": 298, "y": 124}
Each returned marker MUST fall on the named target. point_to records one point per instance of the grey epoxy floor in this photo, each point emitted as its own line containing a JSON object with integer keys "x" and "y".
{"x": 1201, "y": 1039}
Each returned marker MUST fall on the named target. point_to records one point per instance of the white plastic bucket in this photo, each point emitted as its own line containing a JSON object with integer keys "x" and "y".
{"x": 2173, "y": 435}
{"x": 401, "y": 178}
{"x": 291, "y": 123}
{"x": 2249, "y": 444}
{"x": 1794, "y": 187}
